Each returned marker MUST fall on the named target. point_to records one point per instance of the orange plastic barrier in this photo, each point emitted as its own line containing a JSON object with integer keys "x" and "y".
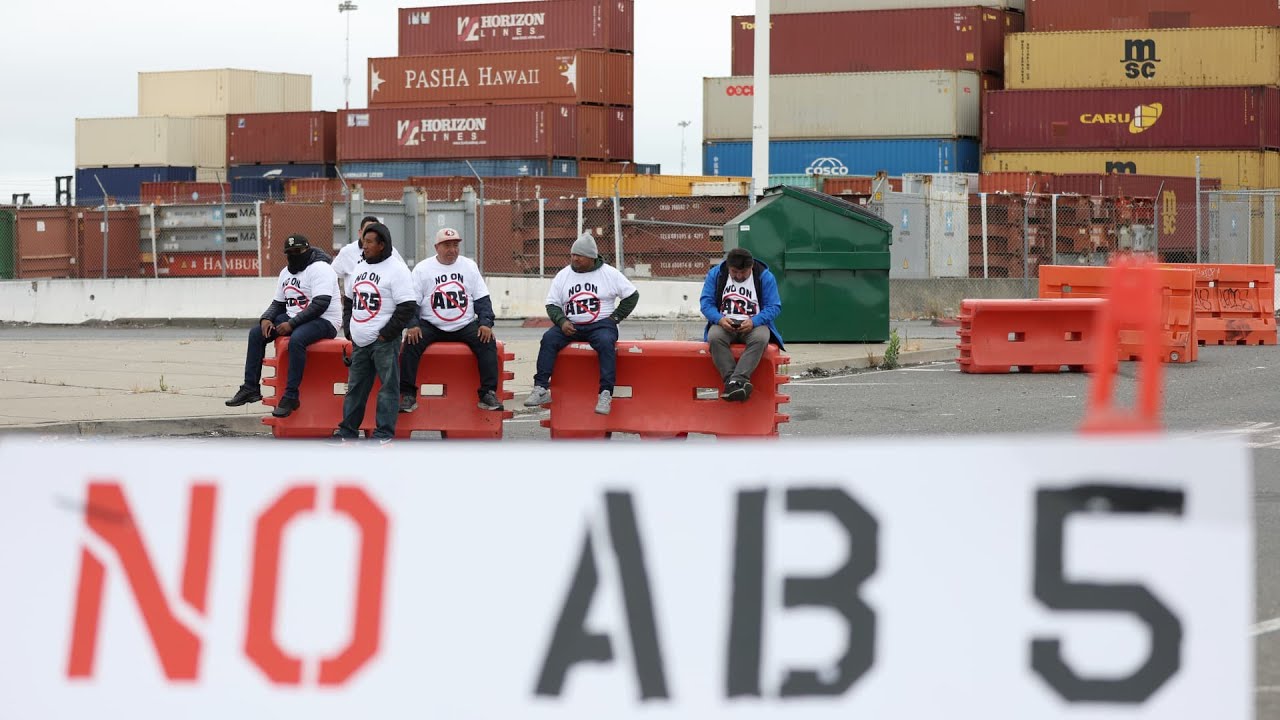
{"x": 997, "y": 336}
{"x": 663, "y": 377}
{"x": 1177, "y": 316}
{"x": 1234, "y": 304}
{"x": 1134, "y": 304}
{"x": 453, "y": 413}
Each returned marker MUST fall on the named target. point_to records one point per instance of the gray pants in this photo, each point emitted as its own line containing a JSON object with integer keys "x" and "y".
{"x": 719, "y": 339}
{"x": 377, "y": 360}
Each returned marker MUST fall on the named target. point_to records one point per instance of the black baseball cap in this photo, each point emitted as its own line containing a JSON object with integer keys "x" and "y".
{"x": 296, "y": 242}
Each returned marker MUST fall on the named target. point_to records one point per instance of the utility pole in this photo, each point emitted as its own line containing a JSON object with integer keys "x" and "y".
{"x": 346, "y": 8}
{"x": 684, "y": 125}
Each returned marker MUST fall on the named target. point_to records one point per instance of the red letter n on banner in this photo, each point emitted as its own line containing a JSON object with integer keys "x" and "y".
{"x": 107, "y": 515}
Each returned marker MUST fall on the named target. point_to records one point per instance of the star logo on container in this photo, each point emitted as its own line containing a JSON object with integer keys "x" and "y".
{"x": 570, "y": 73}
{"x": 375, "y": 82}
{"x": 1144, "y": 117}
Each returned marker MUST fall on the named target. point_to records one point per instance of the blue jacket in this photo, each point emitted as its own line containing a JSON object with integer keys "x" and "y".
{"x": 766, "y": 290}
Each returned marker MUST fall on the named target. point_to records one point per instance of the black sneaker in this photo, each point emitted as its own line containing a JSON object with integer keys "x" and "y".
{"x": 244, "y": 395}
{"x": 733, "y": 391}
{"x": 489, "y": 401}
{"x": 747, "y": 387}
{"x": 408, "y": 403}
{"x": 286, "y": 406}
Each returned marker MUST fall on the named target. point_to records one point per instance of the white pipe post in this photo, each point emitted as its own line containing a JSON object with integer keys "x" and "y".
{"x": 542, "y": 237}
{"x": 760, "y": 101}
{"x": 983, "y": 201}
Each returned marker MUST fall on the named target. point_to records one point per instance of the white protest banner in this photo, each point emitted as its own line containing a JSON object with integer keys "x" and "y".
{"x": 958, "y": 578}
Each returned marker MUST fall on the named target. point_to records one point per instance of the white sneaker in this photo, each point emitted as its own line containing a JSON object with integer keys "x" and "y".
{"x": 539, "y": 396}
{"x": 605, "y": 403}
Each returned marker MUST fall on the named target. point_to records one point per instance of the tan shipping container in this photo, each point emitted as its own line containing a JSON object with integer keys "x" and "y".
{"x": 792, "y": 7}
{"x": 1238, "y": 169}
{"x": 931, "y": 103}
{"x": 1143, "y": 58}
{"x": 152, "y": 141}
{"x": 653, "y": 185}
{"x": 222, "y": 92}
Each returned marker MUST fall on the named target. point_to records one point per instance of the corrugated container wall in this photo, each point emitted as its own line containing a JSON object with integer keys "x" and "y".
{"x": 838, "y": 158}
{"x": 280, "y": 170}
{"x": 502, "y": 167}
{"x": 578, "y": 76}
{"x": 305, "y": 137}
{"x": 791, "y": 7}
{"x": 1237, "y": 169}
{"x": 934, "y": 103}
{"x": 1059, "y": 16}
{"x": 1145, "y": 58}
{"x": 158, "y": 141}
{"x": 652, "y": 185}
{"x": 480, "y": 131}
{"x": 124, "y": 184}
{"x": 221, "y": 92}
{"x": 969, "y": 38}
{"x": 546, "y": 25}
{"x": 1233, "y": 117}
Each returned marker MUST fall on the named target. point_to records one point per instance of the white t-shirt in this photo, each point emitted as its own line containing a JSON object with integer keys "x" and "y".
{"x": 375, "y": 291}
{"x": 297, "y": 291}
{"x": 739, "y": 301}
{"x": 349, "y": 256}
{"x": 446, "y": 294}
{"x": 590, "y": 296}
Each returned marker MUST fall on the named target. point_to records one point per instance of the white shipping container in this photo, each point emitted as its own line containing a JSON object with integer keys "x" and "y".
{"x": 160, "y": 141}
{"x": 932, "y": 104}
{"x": 222, "y": 92}
{"x": 792, "y": 7}
{"x": 718, "y": 189}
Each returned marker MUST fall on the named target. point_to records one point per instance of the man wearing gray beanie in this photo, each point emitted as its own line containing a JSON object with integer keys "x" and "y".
{"x": 586, "y": 302}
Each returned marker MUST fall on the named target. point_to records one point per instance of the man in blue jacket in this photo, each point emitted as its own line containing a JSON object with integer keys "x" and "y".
{"x": 740, "y": 301}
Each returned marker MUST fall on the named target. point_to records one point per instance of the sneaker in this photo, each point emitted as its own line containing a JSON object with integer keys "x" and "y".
{"x": 408, "y": 403}
{"x": 539, "y": 396}
{"x": 734, "y": 391}
{"x": 245, "y": 394}
{"x": 383, "y": 442}
{"x": 489, "y": 401}
{"x": 605, "y": 403}
{"x": 747, "y": 387}
{"x": 286, "y": 406}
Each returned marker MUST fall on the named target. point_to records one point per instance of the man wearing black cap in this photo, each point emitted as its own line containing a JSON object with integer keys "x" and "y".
{"x": 302, "y": 310}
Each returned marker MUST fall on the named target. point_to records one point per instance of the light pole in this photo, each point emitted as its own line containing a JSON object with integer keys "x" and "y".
{"x": 346, "y": 7}
{"x": 684, "y": 124}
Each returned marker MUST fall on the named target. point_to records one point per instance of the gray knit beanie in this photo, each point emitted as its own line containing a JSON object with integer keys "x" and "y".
{"x": 585, "y": 246}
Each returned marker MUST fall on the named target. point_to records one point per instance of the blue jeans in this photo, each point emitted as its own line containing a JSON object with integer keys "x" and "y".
{"x": 299, "y": 340}
{"x": 602, "y": 335}
{"x": 380, "y": 359}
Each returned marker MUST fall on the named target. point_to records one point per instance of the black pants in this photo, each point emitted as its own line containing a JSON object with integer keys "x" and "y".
{"x": 486, "y": 355}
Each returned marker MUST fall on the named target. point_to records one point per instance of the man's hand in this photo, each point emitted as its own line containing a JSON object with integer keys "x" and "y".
{"x": 746, "y": 326}
{"x": 267, "y": 328}
{"x": 413, "y": 336}
{"x": 346, "y": 332}
{"x": 727, "y": 324}
{"x": 567, "y": 328}
{"x": 285, "y": 328}
{"x": 485, "y": 333}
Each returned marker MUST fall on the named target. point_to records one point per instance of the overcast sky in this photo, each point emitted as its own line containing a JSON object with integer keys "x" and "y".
{"x": 63, "y": 59}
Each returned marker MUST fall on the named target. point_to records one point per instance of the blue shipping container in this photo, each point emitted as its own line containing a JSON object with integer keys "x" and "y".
{"x": 837, "y": 158}
{"x": 446, "y": 168}
{"x": 257, "y": 172}
{"x": 250, "y": 189}
{"x": 124, "y": 184}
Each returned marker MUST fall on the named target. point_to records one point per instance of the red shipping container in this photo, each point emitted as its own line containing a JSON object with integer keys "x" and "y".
{"x": 1246, "y": 118}
{"x": 857, "y": 185}
{"x": 962, "y": 38}
{"x": 1060, "y": 15}
{"x": 174, "y": 193}
{"x": 121, "y": 232}
{"x": 1015, "y": 182}
{"x": 46, "y": 242}
{"x": 481, "y": 131}
{"x": 204, "y": 264}
{"x": 545, "y": 25}
{"x": 573, "y": 76}
{"x": 520, "y": 187}
{"x": 587, "y": 168}
{"x": 285, "y": 137}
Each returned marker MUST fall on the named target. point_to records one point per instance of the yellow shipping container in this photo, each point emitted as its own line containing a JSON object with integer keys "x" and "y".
{"x": 653, "y": 185}
{"x": 159, "y": 141}
{"x": 1143, "y": 58}
{"x": 1237, "y": 169}
{"x": 222, "y": 92}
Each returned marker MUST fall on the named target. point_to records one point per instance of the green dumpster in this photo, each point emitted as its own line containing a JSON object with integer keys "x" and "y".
{"x": 831, "y": 260}
{"x": 7, "y": 243}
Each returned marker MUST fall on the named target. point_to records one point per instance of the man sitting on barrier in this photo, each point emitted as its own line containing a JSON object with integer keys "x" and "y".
{"x": 302, "y": 310}
{"x": 350, "y": 255}
{"x": 375, "y": 310}
{"x": 586, "y": 302}
{"x": 740, "y": 301}
{"x": 453, "y": 306}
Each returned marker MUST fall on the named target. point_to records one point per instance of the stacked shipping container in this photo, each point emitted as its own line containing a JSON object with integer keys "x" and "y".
{"x": 843, "y": 107}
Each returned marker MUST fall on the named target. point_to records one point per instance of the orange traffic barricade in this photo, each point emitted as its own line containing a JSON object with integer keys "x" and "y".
{"x": 1178, "y": 317}
{"x": 1234, "y": 304}
{"x": 656, "y": 394}
{"x": 447, "y": 369}
{"x": 998, "y": 336}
